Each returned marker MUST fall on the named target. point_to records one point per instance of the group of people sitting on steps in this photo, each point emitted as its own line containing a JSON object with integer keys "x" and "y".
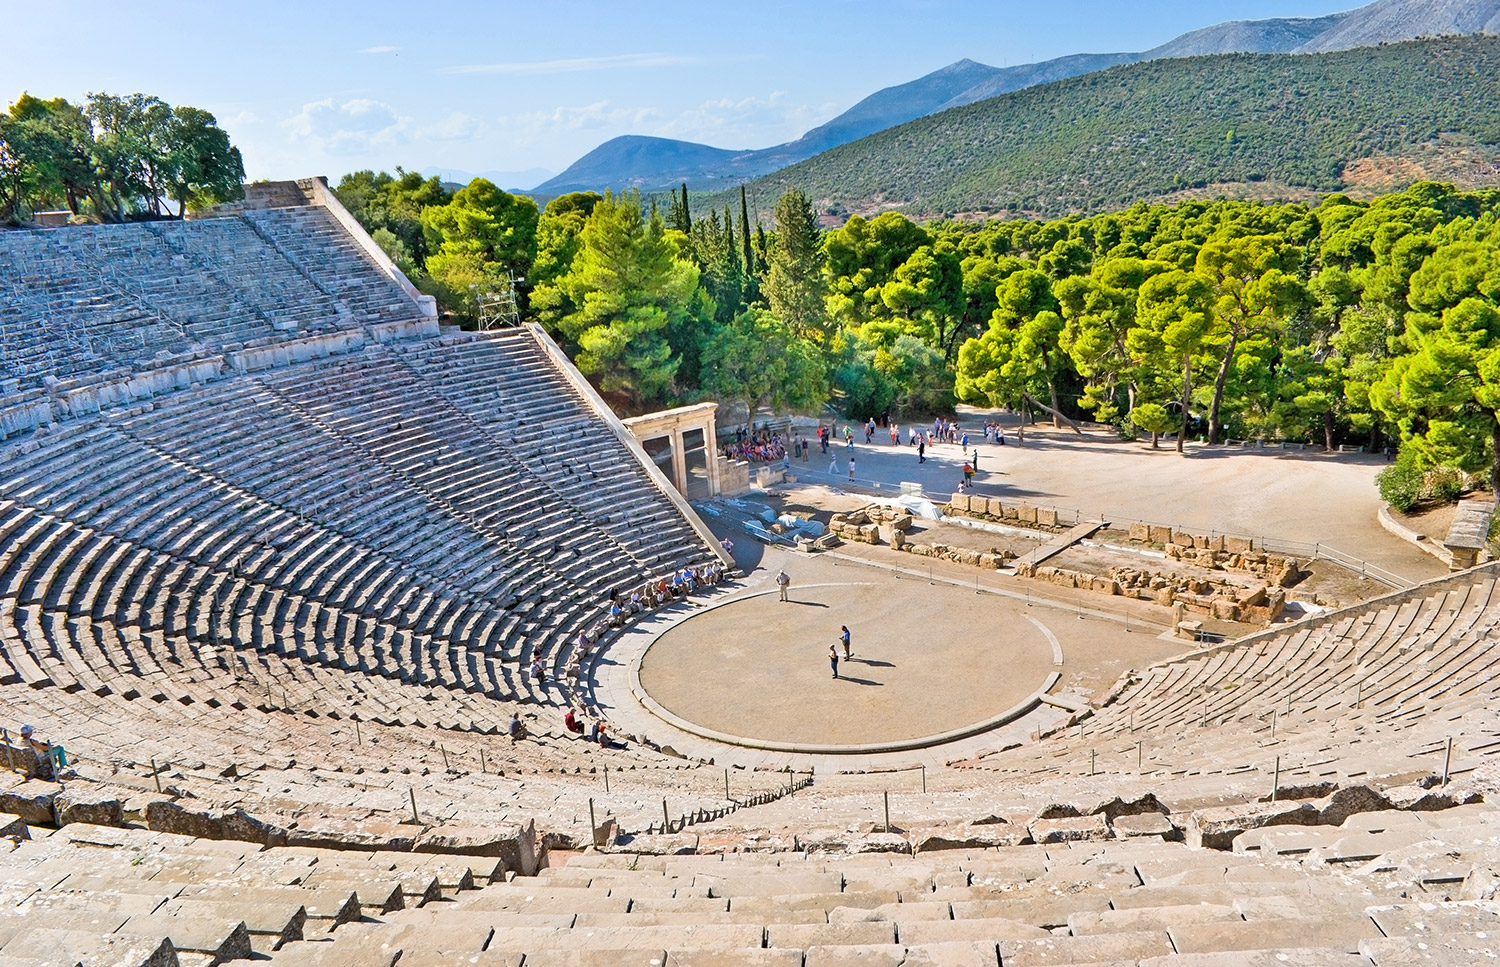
{"x": 654, "y": 594}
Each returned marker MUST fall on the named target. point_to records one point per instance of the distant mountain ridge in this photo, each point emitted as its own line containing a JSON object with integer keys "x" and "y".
{"x": 648, "y": 163}
{"x": 1270, "y": 127}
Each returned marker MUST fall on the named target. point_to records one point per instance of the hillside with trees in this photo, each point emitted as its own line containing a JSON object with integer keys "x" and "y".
{"x": 113, "y": 158}
{"x": 1373, "y": 323}
{"x": 1239, "y": 125}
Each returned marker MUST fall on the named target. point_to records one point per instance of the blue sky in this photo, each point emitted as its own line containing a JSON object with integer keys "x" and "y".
{"x": 308, "y": 88}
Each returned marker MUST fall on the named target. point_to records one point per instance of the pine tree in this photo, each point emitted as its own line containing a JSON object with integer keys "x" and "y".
{"x": 678, "y": 216}
{"x": 794, "y": 285}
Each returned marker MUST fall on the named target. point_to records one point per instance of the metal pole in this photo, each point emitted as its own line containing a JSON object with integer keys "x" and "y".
{"x": 1276, "y": 780}
{"x": 593, "y": 825}
{"x": 1447, "y": 760}
{"x": 606, "y": 778}
{"x": 666, "y": 824}
{"x": 887, "y": 796}
{"x": 1273, "y": 723}
{"x": 924, "y": 777}
{"x": 413, "y": 794}
{"x": 357, "y": 739}
{"x": 726, "y": 783}
{"x": 156, "y": 775}
{"x": 1091, "y": 761}
{"x": 1139, "y": 751}
{"x": 483, "y": 766}
{"x": 444, "y": 750}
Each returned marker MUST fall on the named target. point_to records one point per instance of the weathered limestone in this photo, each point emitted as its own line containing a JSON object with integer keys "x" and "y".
{"x": 1217, "y": 827}
{"x": 87, "y": 805}
{"x": 1469, "y": 533}
{"x": 31, "y": 800}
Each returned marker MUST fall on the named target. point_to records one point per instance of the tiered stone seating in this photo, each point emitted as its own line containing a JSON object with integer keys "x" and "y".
{"x": 507, "y": 384}
{"x": 1358, "y": 898}
{"x": 1374, "y": 691}
{"x": 324, "y": 252}
{"x": 132, "y": 897}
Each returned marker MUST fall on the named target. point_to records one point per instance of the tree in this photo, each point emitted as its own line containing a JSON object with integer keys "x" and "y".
{"x": 394, "y": 203}
{"x": 678, "y": 215}
{"x": 480, "y": 240}
{"x": 748, "y": 266}
{"x": 202, "y": 168}
{"x": 1154, "y": 419}
{"x": 623, "y": 290}
{"x": 928, "y": 290}
{"x": 1174, "y": 310}
{"x": 1443, "y": 391}
{"x": 758, "y": 360}
{"x": 794, "y": 286}
{"x": 1251, "y": 296}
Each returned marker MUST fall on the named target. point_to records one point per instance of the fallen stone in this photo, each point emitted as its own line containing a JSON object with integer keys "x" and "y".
{"x": 1413, "y": 798}
{"x": 1216, "y": 828}
{"x": 31, "y": 800}
{"x": 1069, "y": 829}
{"x": 84, "y": 805}
{"x": 985, "y": 836}
{"x": 845, "y": 841}
{"x": 1144, "y": 824}
{"x": 211, "y": 822}
{"x": 516, "y": 845}
{"x": 1346, "y": 802}
{"x": 334, "y": 833}
{"x": 13, "y": 827}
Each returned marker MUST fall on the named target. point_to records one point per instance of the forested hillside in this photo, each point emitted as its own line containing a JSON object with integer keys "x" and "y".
{"x": 1238, "y": 125}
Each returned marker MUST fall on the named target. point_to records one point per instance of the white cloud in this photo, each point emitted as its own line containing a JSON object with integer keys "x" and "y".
{"x": 350, "y": 128}
{"x": 381, "y": 49}
{"x": 588, "y": 117}
{"x": 577, "y": 64}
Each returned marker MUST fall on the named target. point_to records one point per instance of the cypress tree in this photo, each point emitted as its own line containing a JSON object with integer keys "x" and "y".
{"x": 752, "y": 282}
{"x": 687, "y": 216}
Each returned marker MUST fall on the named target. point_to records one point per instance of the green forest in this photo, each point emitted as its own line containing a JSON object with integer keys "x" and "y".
{"x": 1369, "y": 323}
{"x": 113, "y": 159}
{"x": 1251, "y": 125}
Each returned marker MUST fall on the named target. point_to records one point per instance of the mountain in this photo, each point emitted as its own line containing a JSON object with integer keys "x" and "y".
{"x": 1269, "y": 126}
{"x": 1390, "y": 20}
{"x": 658, "y": 163}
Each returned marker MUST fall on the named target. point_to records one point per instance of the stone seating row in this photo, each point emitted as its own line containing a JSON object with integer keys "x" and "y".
{"x": 122, "y": 893}
{"x": 509, "y": 386}
{"x": 1140, "y": 902}
{"x": 89, "y": 299}
{"x": 312, "y": 240}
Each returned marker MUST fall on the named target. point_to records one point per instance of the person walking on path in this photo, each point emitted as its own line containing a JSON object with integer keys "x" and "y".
{"x": 783, "y": 582}
{"x": 844, "y": 637}
{"x": 921, "y": 451}
{"x": 833, "y": 465}
{"x": 968, "y": 475}
{"x": 833, "y": 659}
{"x": 895, "y": 434}
{"x": 851, "y": 468}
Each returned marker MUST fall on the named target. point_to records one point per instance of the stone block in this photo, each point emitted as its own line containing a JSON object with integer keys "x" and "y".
{"x": 901, "y": 523}
{"x": 1140, "y": 531}
{"x": 1237, "y": 545}
{"x": 1182, "y": 538}
{"x": 986, "y": 836}
{"x": 959, "y": 503}
{"x": 1069, "y": 829}
{"x": 515, "y": 844}
{"x": 31, "y": 800}
{"x": 898, "y": 539}
{"x": 13, "y": 827}
{"x": 869, "y": 533}
{"x": 205, "y": 821}
{"x": 1026, "y": 514}
{"x": 996, "y": 507}
{"x": 1216, "y": 828}
{"x": 1104, "y": 585}
{"x": 1160, "y": 534}
{"x": 96, "y": 807}
{"x": 1346, "y": 802}
{"x": 1144, "y": 824}
{"x": 1046, "y": 516}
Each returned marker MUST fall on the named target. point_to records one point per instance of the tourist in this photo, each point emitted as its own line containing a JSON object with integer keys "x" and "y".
{"x": 517, "y": 729}
{"x": 921, "y": 451}
{"x": 895, "y": 434}
{"x": 616, "y": 614}
{"x": 538, "y": 675}
{"x": 1000, "y": 434}
{"x": 968, "y": 475}
{"x": 851, "y": 468}
{"x": 833, "y": 659}
{"x": 570, "y": 721}
{"x": 783, "y": 581}
{"x": 844, "y": 637}
{"x": 728, "y": 545}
